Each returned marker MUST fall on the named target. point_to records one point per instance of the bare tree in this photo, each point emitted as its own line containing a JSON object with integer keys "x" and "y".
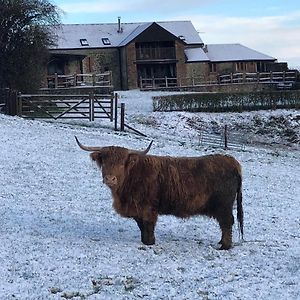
{"x": 25, "y": 36}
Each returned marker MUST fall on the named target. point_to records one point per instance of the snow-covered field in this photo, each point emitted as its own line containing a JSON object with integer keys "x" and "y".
{"x": 61, "y": 239}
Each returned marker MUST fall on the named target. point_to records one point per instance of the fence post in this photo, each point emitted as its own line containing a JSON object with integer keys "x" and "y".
{"x": 91, "y": 110}
{"x": 11, "y": 104}
{"x": 122, "y": 116}
{"x": 226, "y": 137}
{"x": 94, "y": 79}
{"x": 112, "y": 108}
{"x": 75, "y": 79}
{"x": 116, "y": 111}
{"x": 19, "y": 105}
{"x": 55, "y": 80}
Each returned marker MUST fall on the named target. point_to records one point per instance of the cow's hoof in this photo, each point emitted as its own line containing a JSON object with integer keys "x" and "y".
{"x": 148, "y": 242}
{"x": 225, "y": 247}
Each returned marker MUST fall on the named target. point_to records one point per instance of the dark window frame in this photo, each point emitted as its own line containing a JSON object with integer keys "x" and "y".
{"x": 84, "y": 42}
{"x": 106, "y": 41}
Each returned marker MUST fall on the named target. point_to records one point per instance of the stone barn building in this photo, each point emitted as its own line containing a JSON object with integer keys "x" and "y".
{"x": 137, "y": 52}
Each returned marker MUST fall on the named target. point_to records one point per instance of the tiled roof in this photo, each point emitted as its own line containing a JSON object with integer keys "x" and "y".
{"x": 234, "y": 52}
{"x": 195, "y": 55}
{"x": 69, "y": 35}
{"x": 225, "y": 53}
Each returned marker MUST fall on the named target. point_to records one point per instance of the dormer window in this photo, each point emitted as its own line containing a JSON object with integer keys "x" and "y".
{"x": 106, "y": 41}
{"x": 84, "y": 42}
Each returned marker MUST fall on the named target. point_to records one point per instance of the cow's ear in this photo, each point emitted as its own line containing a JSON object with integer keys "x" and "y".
{"x": 97, "y": 157}
{"x": 133, "y": 158}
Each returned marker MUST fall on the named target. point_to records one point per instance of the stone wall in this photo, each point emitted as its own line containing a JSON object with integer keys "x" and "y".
{"x": 181, "y": 65}
{"x": 101, "y": 60}
{"x": 199, "y": 71}
{"x": 131, "y": 67}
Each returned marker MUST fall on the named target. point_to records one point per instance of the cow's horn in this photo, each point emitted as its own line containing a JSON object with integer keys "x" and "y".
{"x": 87, "y": 148}
{"x": 144, "y": 152}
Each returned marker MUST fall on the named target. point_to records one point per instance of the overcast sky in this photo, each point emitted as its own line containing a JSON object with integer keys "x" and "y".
{"x": 269, "y": 26}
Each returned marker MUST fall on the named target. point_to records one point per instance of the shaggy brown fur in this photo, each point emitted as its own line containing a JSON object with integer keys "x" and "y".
{"x": 145, "y": 186}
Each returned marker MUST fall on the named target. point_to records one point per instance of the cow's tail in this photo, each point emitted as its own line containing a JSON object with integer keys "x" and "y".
{"x": 240, "y": 213}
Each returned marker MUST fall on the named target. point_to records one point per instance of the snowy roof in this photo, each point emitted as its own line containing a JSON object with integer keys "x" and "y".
{"x": 195, "y": 54}
{"x": 234, "y": 52}
{"x": 224, "y": 53}
{"x": 74, "y": 36}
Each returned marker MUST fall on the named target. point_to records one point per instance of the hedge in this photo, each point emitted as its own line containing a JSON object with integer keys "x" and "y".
{"x": 227, "y": 102}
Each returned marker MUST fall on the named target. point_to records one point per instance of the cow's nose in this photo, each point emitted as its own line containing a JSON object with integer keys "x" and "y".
{"x": 110, "y": 180}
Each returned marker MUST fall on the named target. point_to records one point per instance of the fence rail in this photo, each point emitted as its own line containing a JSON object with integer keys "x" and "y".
{"x": 283, "y": 80}
{"x": 226, "y": 139}
{"x": 72, "y": 80}
{"x": 264, "y": 77}
{"x": 158, "y": 82}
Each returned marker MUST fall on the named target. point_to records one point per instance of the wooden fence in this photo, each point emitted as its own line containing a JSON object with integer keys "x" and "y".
{"x": 283, "y": 80}
{"x": 265, "y": 77}
{"x": 163, "y": 82}
{"x": 91, "y": 107}
{"x": 65, "y": 81}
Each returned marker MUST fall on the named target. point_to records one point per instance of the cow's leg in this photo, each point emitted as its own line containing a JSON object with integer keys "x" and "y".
{"x": 140, "y": 224}
{"x": 147, "y": 231}
{"x": 226, "y": 221}
{"x": 148, "y": 226}
{"x": 148, "y": 237}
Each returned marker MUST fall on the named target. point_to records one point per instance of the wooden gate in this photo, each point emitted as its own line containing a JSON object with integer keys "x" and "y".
{"x": 91, "y": 107}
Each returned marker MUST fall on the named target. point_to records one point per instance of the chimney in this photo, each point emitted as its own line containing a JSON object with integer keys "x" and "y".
{"x": 119, "y": 25}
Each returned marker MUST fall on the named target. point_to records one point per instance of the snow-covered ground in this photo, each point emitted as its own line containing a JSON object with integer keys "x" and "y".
{"x": 61, "y": 239}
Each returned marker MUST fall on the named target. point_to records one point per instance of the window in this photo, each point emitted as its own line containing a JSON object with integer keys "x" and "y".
{"x": 241, "y": 66}
{"x": 212, "y": 67}
{"x": 84, "y": 42}
{"x": 106, "y": 41}
{"x": 182, "y": 37}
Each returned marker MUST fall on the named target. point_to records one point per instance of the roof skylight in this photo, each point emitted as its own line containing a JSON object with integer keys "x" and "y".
{"x": 106, "y": 41}
{"x": 84, "y": 42}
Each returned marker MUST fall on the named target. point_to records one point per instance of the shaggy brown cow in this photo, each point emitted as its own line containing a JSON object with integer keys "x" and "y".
{"x": 145, "y": 186}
